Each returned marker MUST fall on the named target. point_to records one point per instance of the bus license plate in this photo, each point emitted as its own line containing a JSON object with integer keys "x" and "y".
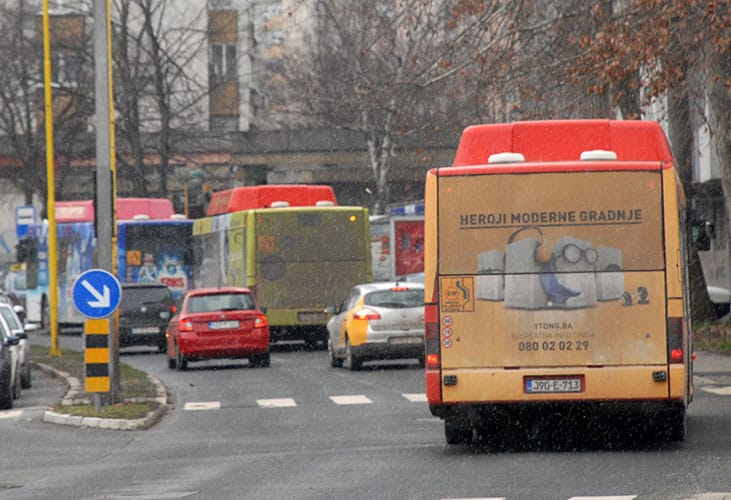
{"x": 220, "y": 325}
{"x": 548, "y": 385}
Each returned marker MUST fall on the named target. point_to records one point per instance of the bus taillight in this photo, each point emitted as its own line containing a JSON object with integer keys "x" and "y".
{"x": 431, "y": 336}
{"x": 675, "y": 340}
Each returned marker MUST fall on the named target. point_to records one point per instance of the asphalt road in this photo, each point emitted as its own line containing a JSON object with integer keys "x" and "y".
{"x": 300, "y": 429}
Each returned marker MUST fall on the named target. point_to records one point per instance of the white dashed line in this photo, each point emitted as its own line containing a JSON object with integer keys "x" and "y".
{"x": 415, "y": 397}
{"x": 721, "y": 391}
{"x": 11, "y": 414}
{"x": 350, "y": 400}
{"x": 276, "y": 403}
{"x": 620, "y": 497}
{"x": 203, "y": 405}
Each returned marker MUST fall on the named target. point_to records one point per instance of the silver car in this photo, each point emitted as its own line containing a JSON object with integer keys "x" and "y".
{"x": 11, "y": 365}
{"x": 17, "y": 329}
{"x": 378, "y": 321}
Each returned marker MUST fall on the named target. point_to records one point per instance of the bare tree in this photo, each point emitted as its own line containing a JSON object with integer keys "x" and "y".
{"x": 21, "y": 94}
{"x": 160, "y": 83}
{"x": 394, "y": 69}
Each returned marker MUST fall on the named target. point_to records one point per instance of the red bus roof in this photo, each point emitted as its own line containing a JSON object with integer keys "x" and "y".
{"x": 561, "y": 140}
{"x": 127, "y": 208}
{"x": 249, "y": 197}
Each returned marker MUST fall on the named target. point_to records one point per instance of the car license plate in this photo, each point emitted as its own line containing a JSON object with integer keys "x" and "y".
{"x": 145, "y": 329}
{"x": 220, "y": 325}
{"x": 404, "y": 340}
{"x": 311, "y": 316}
{"x": 549, "y": 385}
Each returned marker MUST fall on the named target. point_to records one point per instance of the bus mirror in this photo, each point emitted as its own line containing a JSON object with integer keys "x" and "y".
{"x": 702, "y": 234}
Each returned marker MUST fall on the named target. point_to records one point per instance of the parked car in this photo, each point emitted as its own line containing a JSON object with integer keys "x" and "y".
{"x": 17, "y": 329}
{"x": 15, "y": 287}
{"x": 218, "y": 323}
{"x": 378, "y": 321}
{"x": 144, "y": 313}
{"x": 9, "y": 366}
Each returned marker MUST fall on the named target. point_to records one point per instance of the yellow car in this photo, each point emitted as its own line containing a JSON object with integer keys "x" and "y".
{"x": 378, "y": 321}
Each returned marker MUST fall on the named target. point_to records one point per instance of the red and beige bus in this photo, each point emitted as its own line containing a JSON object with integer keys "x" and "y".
{"x": 555, "y": 276}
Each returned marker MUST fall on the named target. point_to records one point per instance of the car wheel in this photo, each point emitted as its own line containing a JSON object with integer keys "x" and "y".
{"x": 6, "y": 398}
{"x": 354, "y": 362}
{"x": 25, "y": 381}
{"x": 180, "y": 362}
{"x": 260, "y": 360}
{"x": 335, "y": 362}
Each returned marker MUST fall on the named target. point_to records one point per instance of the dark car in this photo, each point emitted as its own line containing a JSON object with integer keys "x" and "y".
{"x": 144, "y": 313}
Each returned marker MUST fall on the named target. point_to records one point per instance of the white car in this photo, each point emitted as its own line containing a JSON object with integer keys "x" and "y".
{"x": 17, "y": 329}
{"x": 377, "y": 321}
{"x": 11, "y": 342}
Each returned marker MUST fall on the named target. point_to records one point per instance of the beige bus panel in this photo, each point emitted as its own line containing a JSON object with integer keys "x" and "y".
{"x": 550, "y": 269}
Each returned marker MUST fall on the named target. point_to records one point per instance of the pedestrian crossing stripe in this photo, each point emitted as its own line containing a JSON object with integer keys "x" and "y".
{"x": 357, "y": 399}
{"x": 721, "y": 391}
{"x": 276, "y": 403}
{"x": 205, "y": 405}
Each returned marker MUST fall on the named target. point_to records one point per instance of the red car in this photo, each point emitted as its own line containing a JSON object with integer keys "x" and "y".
{"x": 218, "y": 323}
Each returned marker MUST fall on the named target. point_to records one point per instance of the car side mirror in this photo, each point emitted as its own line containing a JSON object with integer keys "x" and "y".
{"x": 22, "y": 336}
{"x": 263, "y": 309}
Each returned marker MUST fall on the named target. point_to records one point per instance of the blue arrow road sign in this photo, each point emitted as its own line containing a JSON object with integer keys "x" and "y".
{"x": 97, "y": 293}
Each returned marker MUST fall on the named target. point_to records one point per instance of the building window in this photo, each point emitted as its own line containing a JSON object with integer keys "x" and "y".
{"x": 66, "y": 69}
{"x": 223, "y": 62}
{"x": 219, "y": 4}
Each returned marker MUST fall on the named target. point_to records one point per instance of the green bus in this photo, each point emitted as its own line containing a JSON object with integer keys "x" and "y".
{"x": 299, "y": 261}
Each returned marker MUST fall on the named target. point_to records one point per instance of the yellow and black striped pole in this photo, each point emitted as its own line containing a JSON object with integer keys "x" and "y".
{"x": 96, "y": 354}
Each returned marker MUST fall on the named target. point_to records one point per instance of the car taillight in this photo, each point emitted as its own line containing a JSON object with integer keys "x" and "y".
{"x": 675, "y": 340}
{"x": 260, "y": 321}
{"x": 186, "y": 326}
{"x": 173, "y": 309}
{"x": 366, "y": 314}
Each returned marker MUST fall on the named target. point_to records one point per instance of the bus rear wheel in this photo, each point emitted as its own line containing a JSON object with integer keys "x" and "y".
{"x": 456, "y": 432}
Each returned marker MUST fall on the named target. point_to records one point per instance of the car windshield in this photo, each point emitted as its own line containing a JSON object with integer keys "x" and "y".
{"x": 221, "y": 302}
{"x": 396, "y": 299}
{"x": 11, "y": 318}
{"x": 137, "y": 296}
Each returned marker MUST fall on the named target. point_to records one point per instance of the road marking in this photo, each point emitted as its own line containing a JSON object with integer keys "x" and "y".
{"x": 698, "y": 380}
{"x": 350, "y": 400}
{"x": 11, "y": 413}
{"x": 276, "y": 403}
{"x": 203, "y": 405}
{"x": 721, "y": 391}
{"x": 415, "y": 397}
{"x": 616, "y": 497}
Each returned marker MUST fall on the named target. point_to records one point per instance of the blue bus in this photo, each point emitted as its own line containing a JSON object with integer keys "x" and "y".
{"x": 153, "y": 245}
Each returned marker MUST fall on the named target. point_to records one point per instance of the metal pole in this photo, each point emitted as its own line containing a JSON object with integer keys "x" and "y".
{"x": 52, "y": 249}
{"x": 104, "y": 206}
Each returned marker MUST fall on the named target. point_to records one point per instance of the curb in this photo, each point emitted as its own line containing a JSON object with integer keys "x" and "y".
{"x": 74, "y": 396}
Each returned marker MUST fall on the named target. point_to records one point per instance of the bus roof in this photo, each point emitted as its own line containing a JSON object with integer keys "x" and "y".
{"x": 249, "y": 197}
{"x": 562, "y": 140}
{"x": 127, "y": 208}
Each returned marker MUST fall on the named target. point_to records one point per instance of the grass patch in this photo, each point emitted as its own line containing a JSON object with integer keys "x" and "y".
{"x": 133, "y": 383}
{"x": 713, "y": 337}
